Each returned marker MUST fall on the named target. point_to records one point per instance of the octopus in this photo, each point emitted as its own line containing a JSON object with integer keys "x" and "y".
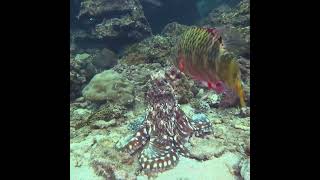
{"x": 162, "y": 137}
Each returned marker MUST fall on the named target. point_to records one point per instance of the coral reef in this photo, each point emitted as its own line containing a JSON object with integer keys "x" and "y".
{"x": 78, "y": 118}
{"x": 238, "y": 16}
{"x": 154, "y": 49}
{"x": 199, "y": 105}
{"x": 104, "y": 59}
{"x": 95, "y": 153}
{"x": 107, "y": 112}
{"x": 105, "y": 116}
{"x": 212, "y": 99}
{"x": 236, "y": 26}
{"x": 173, "y": 29}
{"x": 166, "y": 128}
{"x": 79, "y": 114}
{"x": 81, "y": 71}
{"x": 101, "y": 124}
{"x": 113, "y": 23}
{"x": 206, "y": 148}
{"x": 109, "y": 85}
{"x": 105, "y": 170}
{"x": 84, "y": 66}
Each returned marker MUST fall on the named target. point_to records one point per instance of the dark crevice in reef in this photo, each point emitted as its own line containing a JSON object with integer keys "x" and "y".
{"x": 113, "y": 44}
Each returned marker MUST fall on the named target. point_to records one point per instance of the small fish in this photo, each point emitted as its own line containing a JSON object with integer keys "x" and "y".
{"x": 201, "y": 54}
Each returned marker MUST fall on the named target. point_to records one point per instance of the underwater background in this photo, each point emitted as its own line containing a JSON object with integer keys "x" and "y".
{"x": 135, "y": 112}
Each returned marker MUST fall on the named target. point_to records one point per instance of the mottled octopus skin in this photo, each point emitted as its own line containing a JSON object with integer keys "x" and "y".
{"x": 165, "y": 130}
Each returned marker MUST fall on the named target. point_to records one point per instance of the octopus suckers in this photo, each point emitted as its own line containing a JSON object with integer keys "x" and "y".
{"x": 145, "y": 131}
{"x": 167, "y": 147}
{"x": 162, "y": 158}
{"x": 155, "y": 165}
{"x": 165, "y": 137}
{"x": 130, "y": 146}
{"x": 148, "y": 166}
{"x": 160, "y": 165}
{"x": 175, "y": 138}
{"x": 169, "y": 162}
{"x": 174, "y": 158}
{"x": 165, "y": 164}
{"x": 168, "y": 155}
{"x": 138, "y": 134}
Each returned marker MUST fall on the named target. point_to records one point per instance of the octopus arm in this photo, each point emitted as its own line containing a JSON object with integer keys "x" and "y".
{"x": 183, "y": 125}
{"x": 202, "y": 128}
{"x": 137, "y": 141}
{"x": 159, "y": 155}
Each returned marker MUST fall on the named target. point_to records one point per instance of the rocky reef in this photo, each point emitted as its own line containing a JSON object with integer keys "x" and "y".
{"x": 110, "y": 23}
{"x": 238, "y": 16}
{"x": 81, "y": 71}
{"x": 235, "y": 25}
{"x": 83, "y": 66}
{"x": 154, "y": 49}
{"x": 173, "y": 30}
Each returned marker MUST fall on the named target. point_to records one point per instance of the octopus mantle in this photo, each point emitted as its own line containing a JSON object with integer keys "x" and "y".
{"x": 165, "y": 131}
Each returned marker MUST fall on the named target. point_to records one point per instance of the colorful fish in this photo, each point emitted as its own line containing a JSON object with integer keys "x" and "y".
{"x": 201, "y": 54}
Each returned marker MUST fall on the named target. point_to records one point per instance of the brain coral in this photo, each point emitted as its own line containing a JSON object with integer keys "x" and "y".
{"x": 109, "y": 85}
